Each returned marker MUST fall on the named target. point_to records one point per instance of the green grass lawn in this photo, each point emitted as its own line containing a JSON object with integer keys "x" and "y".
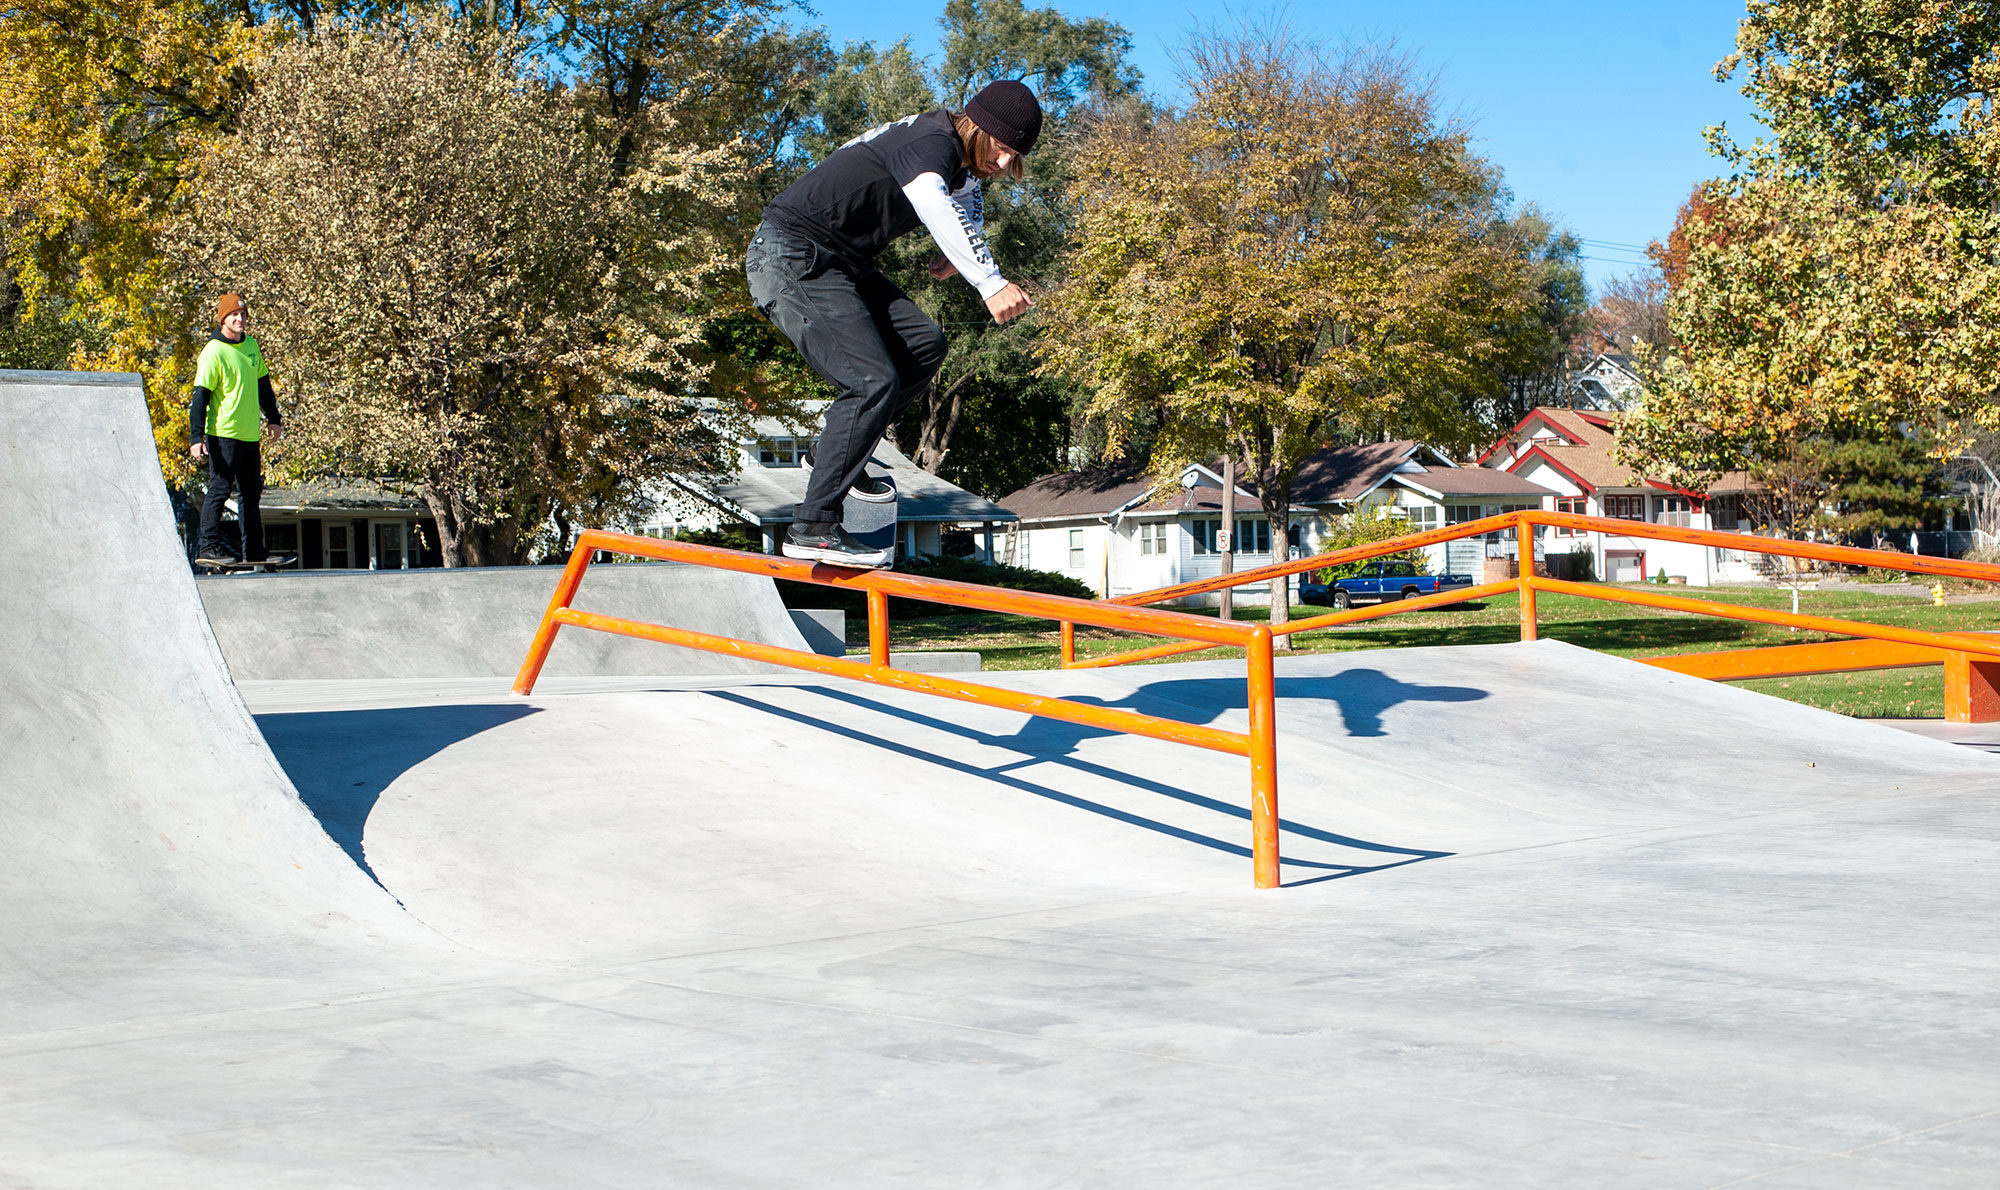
{"x": 1007, "y": 642}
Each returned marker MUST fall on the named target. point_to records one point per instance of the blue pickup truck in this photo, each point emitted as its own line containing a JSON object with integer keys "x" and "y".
{"x": 1379, "y": 582}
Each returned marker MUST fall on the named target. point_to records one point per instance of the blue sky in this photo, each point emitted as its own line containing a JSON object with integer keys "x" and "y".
{"x": 1594, "y": 111}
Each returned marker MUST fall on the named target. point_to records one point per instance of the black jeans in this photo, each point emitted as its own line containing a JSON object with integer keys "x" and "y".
{"x": 858, "y": 331}
{"x": 233, "y": 463}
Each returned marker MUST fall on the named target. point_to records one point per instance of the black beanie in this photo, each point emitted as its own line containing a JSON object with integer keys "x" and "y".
{"x": 1009, "y": 113}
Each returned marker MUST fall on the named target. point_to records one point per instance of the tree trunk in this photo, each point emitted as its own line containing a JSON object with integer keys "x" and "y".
{"x": 942, "y": 409}
{"x": 444, "y": 510}
{"x": 1227, "y": 545}
{"x": 1278, "y": 512}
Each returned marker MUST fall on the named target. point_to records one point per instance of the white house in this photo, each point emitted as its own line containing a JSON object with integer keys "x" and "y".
{"x": 1420, "y": 485}
{"x": 1121, "y": 532}
{"x": 1569, "y": 451}
{"x": 933, "y": 517}
{"x": 1607, "y": 384}
{"x": 1117, "y": 530}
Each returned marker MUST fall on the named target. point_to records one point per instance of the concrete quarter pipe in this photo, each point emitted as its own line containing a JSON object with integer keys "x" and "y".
{"x": 1551, "y": 918}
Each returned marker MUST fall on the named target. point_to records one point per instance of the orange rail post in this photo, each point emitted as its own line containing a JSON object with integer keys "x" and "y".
{"x": 1262, "y": 706}
{"x": 1971, "y": 689}
{"x": 545, "y": 633}
{"x": 878, "y": 628}
{"x": 1069, "y": 644}
{"x": 1525, "y": 535}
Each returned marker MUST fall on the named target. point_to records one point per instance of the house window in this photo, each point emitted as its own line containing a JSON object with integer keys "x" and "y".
{"x": 1674, "y": 510}
{"x": 1724, "y": 511}
{"x": 1153, "y": 537}
{"x": 1625, "y": 508}
{"x": 1420, "y": 517}
{"x": 1578, "y": 505}
{"x": 1252, "y": 536}
{"x": 782, "y": 452}
{"x": 1076, "y": 549}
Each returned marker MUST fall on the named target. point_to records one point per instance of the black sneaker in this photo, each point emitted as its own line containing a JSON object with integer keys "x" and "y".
{"x": 833, "y": 544}
{"x": 215, "y": 559}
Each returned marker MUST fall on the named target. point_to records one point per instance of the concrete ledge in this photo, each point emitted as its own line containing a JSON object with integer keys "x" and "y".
{"x": 478, "y": 622}
{"x": 824, "y": 629}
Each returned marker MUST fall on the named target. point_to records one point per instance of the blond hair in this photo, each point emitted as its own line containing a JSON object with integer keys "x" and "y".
{"x": 975, "y": 142}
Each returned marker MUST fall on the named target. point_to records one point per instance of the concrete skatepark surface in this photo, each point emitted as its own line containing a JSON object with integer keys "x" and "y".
{"x": 1549, "y": 917}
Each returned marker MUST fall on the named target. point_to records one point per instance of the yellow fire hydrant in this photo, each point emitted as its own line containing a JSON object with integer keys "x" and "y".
{"x": 1937, "y": 595}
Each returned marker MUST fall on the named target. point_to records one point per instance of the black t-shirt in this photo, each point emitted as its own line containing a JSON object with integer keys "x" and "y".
{"x": 853, "y": 202}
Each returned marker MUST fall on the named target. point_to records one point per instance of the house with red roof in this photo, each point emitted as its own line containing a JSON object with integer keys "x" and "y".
{"x": 1570, "y": 452}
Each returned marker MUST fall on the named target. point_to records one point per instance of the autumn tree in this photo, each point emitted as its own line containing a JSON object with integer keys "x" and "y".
{"x": 1299, "y": 257}
{"x": 1843, "y": 280}
{"x": 101, "y": 107}
{"x": 461, "y": 289}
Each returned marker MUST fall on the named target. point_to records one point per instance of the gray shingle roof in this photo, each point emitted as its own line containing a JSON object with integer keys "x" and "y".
{"x": 1342, "y": 474}
{"x": 340, "y": 495}
{"x": 1471, "y": 481}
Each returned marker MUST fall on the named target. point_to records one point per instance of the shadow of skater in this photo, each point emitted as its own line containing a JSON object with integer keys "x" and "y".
{"x": 341, "y": 761}
{"x": 1361, "y": 694}
{"x": 1055, "y": 741}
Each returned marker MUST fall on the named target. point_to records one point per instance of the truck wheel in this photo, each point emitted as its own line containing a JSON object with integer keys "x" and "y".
{"x": 1411, "y": 592}
{"x": 1341, "y": 599}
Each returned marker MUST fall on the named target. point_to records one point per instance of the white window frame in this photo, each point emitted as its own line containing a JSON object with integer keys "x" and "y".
{"x": 1152, "y": 538}
{"x": 782, "y": 451}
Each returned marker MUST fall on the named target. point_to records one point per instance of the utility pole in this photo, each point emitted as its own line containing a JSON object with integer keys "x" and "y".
{"x": 1228, "y": 542}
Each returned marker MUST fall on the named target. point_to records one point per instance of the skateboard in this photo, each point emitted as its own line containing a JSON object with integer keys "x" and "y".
{"x": 273, "y": 563}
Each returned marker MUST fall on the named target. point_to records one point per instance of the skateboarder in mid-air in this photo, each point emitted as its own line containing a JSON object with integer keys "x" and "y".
{"x": 232, "y": 401}
{"x": 812, "y": 273}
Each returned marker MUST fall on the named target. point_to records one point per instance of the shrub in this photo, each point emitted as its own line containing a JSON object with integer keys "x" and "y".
{"x": 1582, "y": 564}
{"x": 1350, "y": 531}
{"x": 734, "y": 537}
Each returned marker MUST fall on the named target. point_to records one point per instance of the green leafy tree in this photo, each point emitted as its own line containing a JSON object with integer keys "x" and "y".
{"x": 1539, "y": 345}
{"x": 465, "y": 291}
{"x": 1300, "y": 257}
{"x": 1843, "y": 281}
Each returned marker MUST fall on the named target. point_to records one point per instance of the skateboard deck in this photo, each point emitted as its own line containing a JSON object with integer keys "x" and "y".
{"x": 274, "y": 562}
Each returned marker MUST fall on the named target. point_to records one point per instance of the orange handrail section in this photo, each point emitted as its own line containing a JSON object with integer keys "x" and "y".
{"x": 1258, "y": 744}
{"x": 1972, "y": 663}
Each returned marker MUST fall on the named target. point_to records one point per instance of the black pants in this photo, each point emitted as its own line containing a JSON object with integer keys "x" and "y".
{"x": 858, "y": 331}
{"x": 238, "y": 465}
